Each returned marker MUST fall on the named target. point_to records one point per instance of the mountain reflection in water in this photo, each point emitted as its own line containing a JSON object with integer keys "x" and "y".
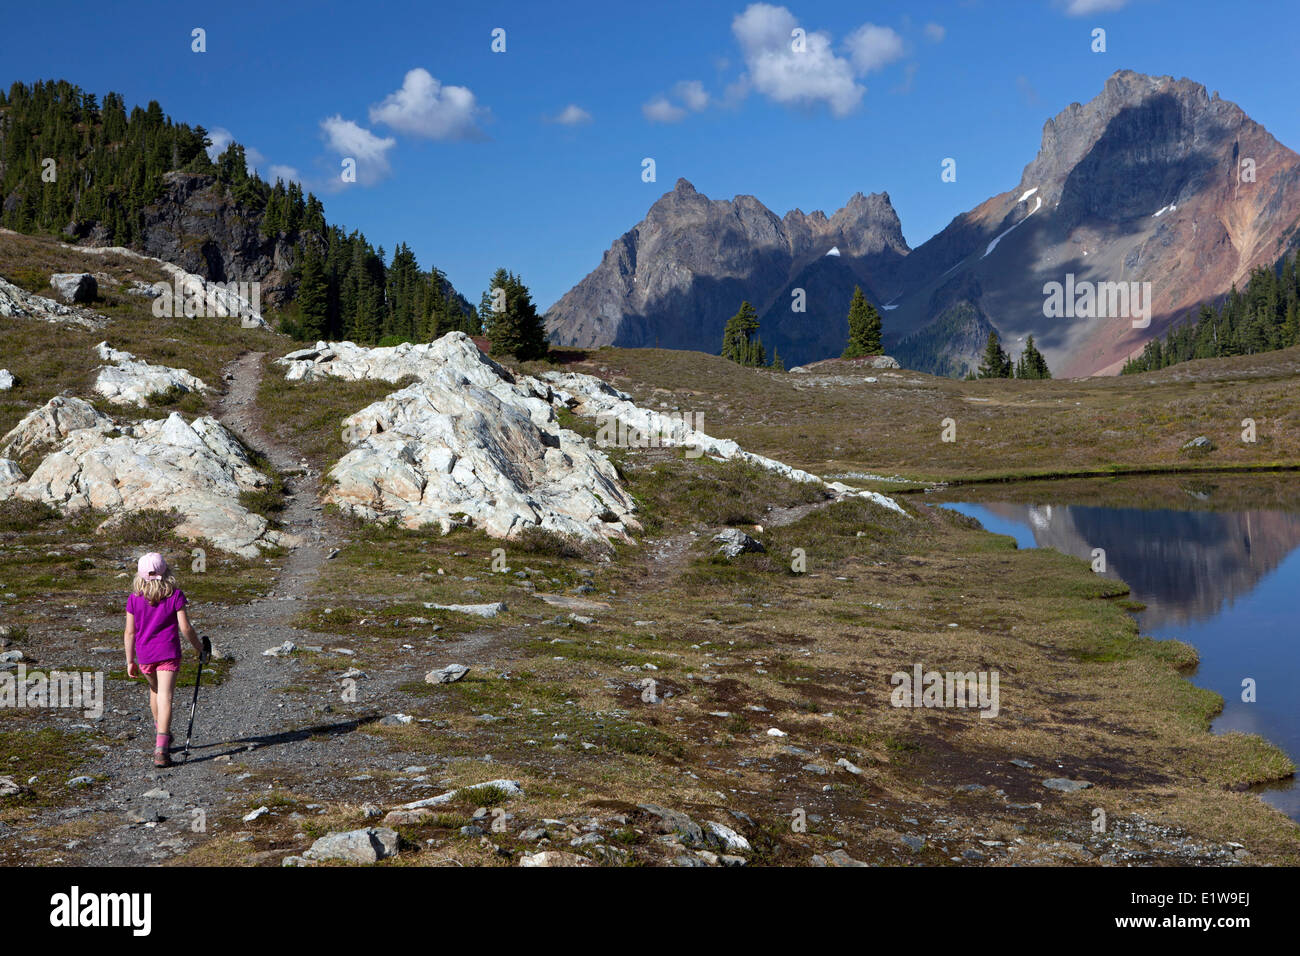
{"x": 1226, "y": 582}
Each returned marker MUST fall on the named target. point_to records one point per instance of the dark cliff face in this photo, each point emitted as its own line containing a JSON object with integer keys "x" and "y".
{"x": 675, "y": 279}
{"x": 197, "y": 225}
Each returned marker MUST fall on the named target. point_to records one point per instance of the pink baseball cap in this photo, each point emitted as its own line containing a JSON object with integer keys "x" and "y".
{"x": 151, "y": 567}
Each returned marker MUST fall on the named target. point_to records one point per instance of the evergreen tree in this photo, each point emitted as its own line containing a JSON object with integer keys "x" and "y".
{"x": 996, "y": 364}
{"x": 312, "y": 298}
{"x": 740, "y": 341}
{"x": 777, "y": 364}
{"x": 517, "y": 330}
{"x": 1260, "y": 318}
{"x": 864, "y": 328}
{"x": 1031, "y": 363}
{"x": 493, "y": 299}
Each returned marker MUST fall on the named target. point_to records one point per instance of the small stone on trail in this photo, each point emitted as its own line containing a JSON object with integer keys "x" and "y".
{"x": 446, "y": 675}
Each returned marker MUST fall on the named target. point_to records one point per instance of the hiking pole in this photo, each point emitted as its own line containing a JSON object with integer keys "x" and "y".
{"x": 198, "y": 679}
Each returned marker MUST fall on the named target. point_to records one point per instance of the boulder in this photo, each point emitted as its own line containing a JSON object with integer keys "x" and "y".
{"x": 446, "y": 675}
{"x": 510, "y": 788}
{"x": 75, "y": 287}
{"x": 725, "y": 839}
{"x": 554, "y": 858}
{"x": 50, "y": 424}
{"x": 664, "y": 820}
{"x": 478, "y": 610}
{"x": 355, "y": 846}
{"x": 733, "y": 542}
{"x": 18, "y": 303}
{"x": 221, "y": 298}
{"x": 836, "y": 858}
{"x": 6, "y": 379}
{"x": 130, "y": 381}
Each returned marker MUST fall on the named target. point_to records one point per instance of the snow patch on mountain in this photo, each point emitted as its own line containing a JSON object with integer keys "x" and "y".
{"x": 998, "y": 238}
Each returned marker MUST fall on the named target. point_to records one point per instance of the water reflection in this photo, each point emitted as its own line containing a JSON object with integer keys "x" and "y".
{"x": 1224, "y": 581}
{"x": 1184, "y": 565}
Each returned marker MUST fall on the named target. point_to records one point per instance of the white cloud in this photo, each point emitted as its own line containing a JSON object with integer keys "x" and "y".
{"x": 935, "y": 32}
{"x": 815, "y": 75}
{"x": 572, "y": 115}
{"x": 693, "y": 94}
{"x": 288, "y": 173}
{"x": 660, "y": 110}
{"x": 220, "y": 139}
{"x": 691, "y": 97}
{"x": 424, "y": 107}
{"x": 873, "y": 47}
{"x": 350, "y": 140}
{"x": 1082, "y": 8}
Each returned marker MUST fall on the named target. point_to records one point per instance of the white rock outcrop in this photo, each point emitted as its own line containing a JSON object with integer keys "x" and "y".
{"x": 16, "y": 303}
{"x": 92, "y": 461}
{"x": 187, "y": 285}
{"x": 590, "y": 396}
{"x": 6, "y": 379}
{"x": 130, "y": 381}
{"x": 352, "y": 362}
{"x": 469, "y": 444}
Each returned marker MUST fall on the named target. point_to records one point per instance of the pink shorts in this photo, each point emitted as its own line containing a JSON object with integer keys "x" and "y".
{"x": 172, "y": 665}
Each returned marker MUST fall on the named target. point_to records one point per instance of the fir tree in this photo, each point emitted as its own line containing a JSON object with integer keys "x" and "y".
{"x": 518, "y": 330}
{"x": 740, "y": 341}
{"x": 1031, "y": 363}
{"x": 312, "y": 298}
{"x": 864, "y": 328}
{"x": 996, "y": 364}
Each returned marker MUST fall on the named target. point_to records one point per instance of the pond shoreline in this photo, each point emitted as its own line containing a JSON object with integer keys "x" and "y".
{"x": 1208, "y": 570}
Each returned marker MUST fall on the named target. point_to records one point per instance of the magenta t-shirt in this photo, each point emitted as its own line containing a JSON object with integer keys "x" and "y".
{"x": 157, "y": 636}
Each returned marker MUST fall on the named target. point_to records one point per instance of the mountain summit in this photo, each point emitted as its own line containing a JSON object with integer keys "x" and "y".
{"x": 675, "y": 278}
{"x": 1154, "y": 180}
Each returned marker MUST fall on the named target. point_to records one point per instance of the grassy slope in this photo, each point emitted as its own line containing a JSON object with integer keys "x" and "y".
{"x": 835, "y": 422}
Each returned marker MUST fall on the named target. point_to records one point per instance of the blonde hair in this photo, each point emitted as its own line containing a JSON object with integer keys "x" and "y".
{"x": 155, "y": 590}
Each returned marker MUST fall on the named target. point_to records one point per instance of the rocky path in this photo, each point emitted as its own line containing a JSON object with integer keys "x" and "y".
{"x": 244, "y": 719}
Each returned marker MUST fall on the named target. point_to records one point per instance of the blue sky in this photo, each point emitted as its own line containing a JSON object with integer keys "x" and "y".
{"x": 532, "y": 158}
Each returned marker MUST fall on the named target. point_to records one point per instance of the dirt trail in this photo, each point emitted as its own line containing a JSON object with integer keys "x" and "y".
{"x": 244, "y": 716}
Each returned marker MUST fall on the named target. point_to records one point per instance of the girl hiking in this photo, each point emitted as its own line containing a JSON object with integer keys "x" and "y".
{"x": 155, "y": 621}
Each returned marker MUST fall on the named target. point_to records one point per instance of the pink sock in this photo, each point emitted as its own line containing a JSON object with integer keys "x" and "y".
{"x": 162, "y": 741}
